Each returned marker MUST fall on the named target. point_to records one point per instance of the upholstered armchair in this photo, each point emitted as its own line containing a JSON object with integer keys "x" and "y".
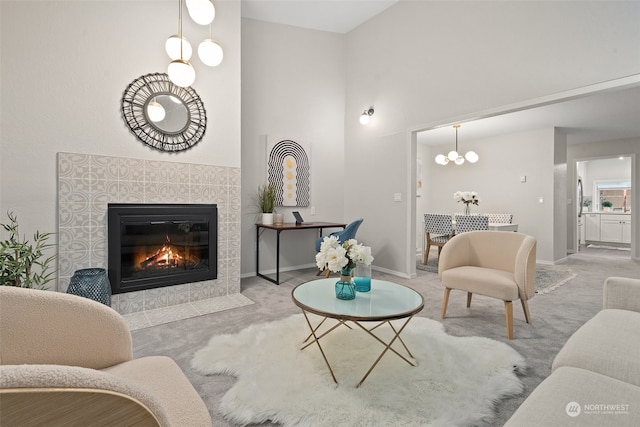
{"x": 67, "y": 360}
{"x": 496, "y": 264}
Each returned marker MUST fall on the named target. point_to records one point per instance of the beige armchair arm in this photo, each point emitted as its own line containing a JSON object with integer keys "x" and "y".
{"x": 455, "y": 253}
{"x": 622, "y": 293}
{"x": 33, "y": 330}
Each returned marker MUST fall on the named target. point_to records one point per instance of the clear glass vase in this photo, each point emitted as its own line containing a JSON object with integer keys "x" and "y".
{"x": 362, "y": 278}
{"x": 345, "y": 287}
{"x": 467, "y": 209}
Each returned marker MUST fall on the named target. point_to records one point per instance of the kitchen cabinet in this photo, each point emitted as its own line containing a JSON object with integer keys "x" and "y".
{"x": 592, "y": 226}
{"x": 615, "y": 228}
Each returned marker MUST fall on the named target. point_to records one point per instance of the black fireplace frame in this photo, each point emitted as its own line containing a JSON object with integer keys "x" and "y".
{"x": 122, "y": 213}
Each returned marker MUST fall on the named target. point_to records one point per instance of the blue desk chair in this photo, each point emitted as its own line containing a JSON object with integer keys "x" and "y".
{"x": 349, "y": 232}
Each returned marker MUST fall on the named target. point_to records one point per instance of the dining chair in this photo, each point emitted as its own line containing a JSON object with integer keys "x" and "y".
{"x": 349, "y": 232}
{"x": 500, "y": 218}
{"x": 438, "y": 230}
{"x": 465, "y": 223}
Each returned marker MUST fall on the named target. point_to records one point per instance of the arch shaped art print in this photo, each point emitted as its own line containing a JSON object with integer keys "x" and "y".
{"x": 288, "y": 170}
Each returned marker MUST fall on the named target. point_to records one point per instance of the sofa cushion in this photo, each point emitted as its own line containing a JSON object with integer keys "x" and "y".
{"x": 164, "y": 379}
{"x": 601, "y": 401}
{"x": 609, "y": 344}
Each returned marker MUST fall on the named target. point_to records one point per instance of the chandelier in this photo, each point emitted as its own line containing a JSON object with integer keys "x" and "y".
{"x": 456, "y": 157}
{"x": 180, "y": 70}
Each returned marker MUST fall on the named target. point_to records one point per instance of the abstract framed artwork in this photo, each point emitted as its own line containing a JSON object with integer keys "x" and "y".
{"x": 289, "y": 171}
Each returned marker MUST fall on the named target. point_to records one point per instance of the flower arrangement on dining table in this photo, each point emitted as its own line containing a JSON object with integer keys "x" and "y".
{"x": 337, "y": 256}
{"x": 468, "y": 198}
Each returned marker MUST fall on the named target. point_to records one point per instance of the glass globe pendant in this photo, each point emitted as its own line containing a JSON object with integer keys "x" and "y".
{"x": 201, "y": 11}
{"x": 181, "y": 73}
{"x": 173, "y": 48}
{"x": 210, "y": 52}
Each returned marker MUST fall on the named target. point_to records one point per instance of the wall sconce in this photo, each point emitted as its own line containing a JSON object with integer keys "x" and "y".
{"x": 180, "y": 71}
{"x": 366, "y": 116}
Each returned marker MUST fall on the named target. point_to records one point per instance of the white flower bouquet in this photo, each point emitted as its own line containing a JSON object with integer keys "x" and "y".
{"x": 466, "y": 197}
{"x": 335, "y": 255}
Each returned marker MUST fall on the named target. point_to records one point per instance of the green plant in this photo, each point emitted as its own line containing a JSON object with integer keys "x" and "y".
{"x": 24, "y": 264}
{"x": 606, "y": 204}
{"x": 586, "y": 202}
{"x": 266, "y": 198}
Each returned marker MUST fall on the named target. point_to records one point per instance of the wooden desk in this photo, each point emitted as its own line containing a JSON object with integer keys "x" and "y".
{"x": 279, "y": 229}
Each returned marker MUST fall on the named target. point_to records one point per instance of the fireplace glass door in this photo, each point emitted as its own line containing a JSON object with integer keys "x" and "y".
{"x": 160, "y": 245}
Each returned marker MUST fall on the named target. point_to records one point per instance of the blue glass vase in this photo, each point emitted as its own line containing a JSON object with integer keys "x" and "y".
{"x": 362, "y": 278}
{"x": 345, "y": 287}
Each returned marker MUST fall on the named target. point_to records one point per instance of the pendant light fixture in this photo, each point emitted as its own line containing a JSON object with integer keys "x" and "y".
{"x": 209, "y": 51}
{"x": 454, "y": 156}
{"x": 180, "y": 71}
{"x": 201, "y": 11}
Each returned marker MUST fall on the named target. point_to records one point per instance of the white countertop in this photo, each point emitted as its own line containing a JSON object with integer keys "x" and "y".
{"x": 606, "y": 213}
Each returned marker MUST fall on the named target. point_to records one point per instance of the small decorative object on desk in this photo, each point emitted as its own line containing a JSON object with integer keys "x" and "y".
{"x": 91, "y": 283}
{"x": 468, "y": 198}
{"x": 343, "y": 257}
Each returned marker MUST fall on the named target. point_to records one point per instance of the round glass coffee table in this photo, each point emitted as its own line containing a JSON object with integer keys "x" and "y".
{"x": 386, "y": 302}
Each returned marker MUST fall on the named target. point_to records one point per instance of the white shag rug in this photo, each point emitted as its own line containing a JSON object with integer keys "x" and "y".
{"x": 457, "y": 380}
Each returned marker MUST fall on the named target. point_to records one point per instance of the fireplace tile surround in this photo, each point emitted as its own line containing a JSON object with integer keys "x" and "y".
{"x": 88, "y": 183}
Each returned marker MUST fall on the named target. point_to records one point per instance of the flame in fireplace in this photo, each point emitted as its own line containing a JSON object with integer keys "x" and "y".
{"x": 168, "y": 256}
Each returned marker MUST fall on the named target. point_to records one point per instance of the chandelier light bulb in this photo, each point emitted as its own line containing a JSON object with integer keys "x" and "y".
{"x": 155, "y": 111}
{"x": 453, "y": 155}
{"x": 172, "y": 46}
{"x": 364, "y": 118}
{"x": 201, "y": 11}
{"x": 181, "y": 73}
{"x": 210, "y": 52}
{"x": 459, "y": 160}
{"x": 441, "y": 159}
{"x": 471, "y": 157}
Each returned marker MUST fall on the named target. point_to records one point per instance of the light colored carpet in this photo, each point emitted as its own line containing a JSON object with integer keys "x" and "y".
{"x": 278, "y": 381}
{"x": 548, "y": 277}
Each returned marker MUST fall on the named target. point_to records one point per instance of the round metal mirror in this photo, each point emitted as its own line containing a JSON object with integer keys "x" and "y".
{"x": 163, "y": 115}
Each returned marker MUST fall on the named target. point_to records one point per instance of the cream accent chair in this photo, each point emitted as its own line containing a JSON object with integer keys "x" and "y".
{"x": 67, "y": 361}
{"x": 496, "y": 264}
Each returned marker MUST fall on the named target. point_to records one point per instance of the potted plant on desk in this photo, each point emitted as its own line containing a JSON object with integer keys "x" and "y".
{"x": 266, "y": 200}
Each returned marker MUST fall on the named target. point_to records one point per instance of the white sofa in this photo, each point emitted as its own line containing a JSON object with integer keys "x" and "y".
{"x": 67, "y": 361}
{"x": 595, "y": 379}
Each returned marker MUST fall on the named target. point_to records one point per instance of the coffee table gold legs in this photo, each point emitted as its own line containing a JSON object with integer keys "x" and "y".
{"x": 316, "y": 339}
{"x": 387, "y": 346}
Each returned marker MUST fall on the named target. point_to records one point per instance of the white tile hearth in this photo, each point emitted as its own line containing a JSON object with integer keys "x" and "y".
{"x": 160, "y": 316}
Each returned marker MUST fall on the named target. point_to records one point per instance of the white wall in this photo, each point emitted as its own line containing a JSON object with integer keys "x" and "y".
{"x": 496, "y": 178}
{"x": 64, "y": 67}
{"x": 434, "y": 62}
{"x": 293, "y": 87}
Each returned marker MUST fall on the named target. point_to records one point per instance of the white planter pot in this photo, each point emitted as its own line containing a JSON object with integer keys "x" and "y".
{"x": 267, "y": 218}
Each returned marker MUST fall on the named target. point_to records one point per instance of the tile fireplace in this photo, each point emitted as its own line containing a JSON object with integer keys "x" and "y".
{"x": 88, "y": 184}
